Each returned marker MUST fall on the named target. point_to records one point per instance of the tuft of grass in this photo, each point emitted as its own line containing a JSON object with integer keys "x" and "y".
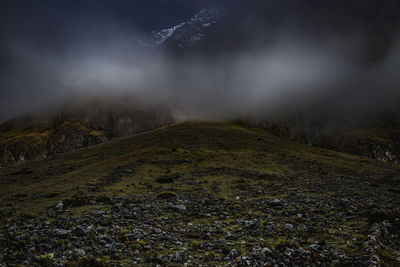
{"x": 90, "y": 262}
{"x": 388, "y": 257}
{"x": 282, "y": 244}
{"x": 167, "y": 195}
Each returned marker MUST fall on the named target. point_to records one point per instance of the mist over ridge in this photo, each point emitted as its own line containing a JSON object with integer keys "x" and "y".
{"x": 259, "y": 59}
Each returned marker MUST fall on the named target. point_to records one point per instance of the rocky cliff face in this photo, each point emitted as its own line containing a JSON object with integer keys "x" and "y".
{"x": 380, "y": 144}
{"x": 76, "y": 126}
{"x": 377, "y": 138}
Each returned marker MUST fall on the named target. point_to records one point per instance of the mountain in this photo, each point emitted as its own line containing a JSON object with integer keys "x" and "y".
{"x": 76, "y": 125}
{"x": 211, "y": 32}
{"x": 118, "y": 182}
{"x": 188, "y": 35}
{"x": 219, "y": 34}
{"x": 258, "y": 23}
{"x": 92, "y": 122}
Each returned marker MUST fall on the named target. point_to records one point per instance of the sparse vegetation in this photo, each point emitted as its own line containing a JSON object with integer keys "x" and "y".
{"x": 211, "y": 191}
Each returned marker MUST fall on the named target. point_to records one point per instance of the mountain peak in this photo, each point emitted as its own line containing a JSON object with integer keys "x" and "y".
{"x": 189, "y": 33}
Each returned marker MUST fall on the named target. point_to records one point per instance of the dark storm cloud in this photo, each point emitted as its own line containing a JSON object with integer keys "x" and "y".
{"x": 42, "y": 40}
{"x": 295, "y": 55}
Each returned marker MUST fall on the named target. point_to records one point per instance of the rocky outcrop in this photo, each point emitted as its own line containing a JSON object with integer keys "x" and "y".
{"x": 76, "y": 126}
{"x": 73, "y": 136}
{"x": 377, "y": 235}
{"x": 19, "y": 151}
{"x": 379, "y": 139}
{"x": 374, "y": 145}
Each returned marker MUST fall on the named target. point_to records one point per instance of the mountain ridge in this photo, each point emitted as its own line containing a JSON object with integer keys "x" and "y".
{"x": 76, "y": 126}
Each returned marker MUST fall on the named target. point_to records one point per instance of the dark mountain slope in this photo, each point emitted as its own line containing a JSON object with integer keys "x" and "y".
{"x": 201, "y": 193}
{"x": 374, "y": 136}
{"x": 75, "y": 126}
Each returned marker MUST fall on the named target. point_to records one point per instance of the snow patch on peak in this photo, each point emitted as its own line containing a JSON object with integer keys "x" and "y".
{"x": 163, "y": 35}
{"x": 189, "y": 33}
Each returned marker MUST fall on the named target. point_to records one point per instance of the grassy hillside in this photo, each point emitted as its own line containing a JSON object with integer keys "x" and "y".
{"x": 200, "y": 191}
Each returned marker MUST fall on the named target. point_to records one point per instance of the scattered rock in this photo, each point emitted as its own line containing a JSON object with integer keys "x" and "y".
{"x": 180, "y": 208}
{"x": 232, "y": 255}
{"x": 61, "y": 232}
{"x": 276, "y": 202}
{"x": 289, "y": 227}
{"x": 59, "y": 206}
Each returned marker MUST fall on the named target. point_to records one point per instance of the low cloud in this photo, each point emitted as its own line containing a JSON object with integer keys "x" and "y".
{"x": 287, "y": 72}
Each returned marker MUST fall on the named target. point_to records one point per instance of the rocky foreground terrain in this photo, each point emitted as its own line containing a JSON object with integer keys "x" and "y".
{"x": 201, "y": 194}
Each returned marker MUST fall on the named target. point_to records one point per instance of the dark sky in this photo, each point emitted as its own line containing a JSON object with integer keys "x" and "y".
{"x": 25, "y": 15}
{"x": 52, "y": 26}
{"x": 45, "y": 43}
{"x": 52, "y": 22}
